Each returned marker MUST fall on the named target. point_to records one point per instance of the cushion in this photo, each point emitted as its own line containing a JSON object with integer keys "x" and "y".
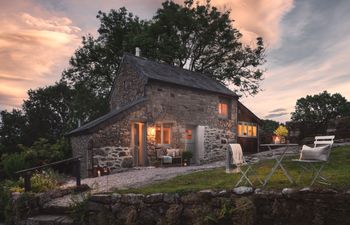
{"x": 167, "y": 159}
{"x": 173, "y": 152}
{"x": 316, "y": 153}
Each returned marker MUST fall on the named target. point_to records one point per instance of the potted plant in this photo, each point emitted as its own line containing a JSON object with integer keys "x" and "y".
{"x": 281, "y": 133}
{"x": 186, "y": 157}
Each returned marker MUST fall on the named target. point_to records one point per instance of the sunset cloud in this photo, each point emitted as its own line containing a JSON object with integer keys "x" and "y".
{"x": 308, "y": 44}
{"x": 255, "y": 18}
{"x": 33, "y": 52}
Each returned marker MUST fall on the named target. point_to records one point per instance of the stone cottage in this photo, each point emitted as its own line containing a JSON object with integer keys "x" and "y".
{"x": 155, "y": 106}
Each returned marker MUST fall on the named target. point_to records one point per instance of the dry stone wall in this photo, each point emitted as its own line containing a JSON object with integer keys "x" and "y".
{"x": 113, "y": 157}
{"x": 302, "y": 207}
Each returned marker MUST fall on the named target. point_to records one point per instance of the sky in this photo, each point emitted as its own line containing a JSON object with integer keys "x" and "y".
{"x": 308, "y": 45}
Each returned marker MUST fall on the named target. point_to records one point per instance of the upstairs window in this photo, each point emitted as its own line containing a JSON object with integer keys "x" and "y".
{"x": 163, "y": 134}
{"x": 247, "y": 129}
{"x": 223, "y": 110}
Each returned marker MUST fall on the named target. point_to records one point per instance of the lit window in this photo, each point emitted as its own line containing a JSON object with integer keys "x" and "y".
{"x": 223, "y": 110}
{"x": 247, "y": 129}
{"x": 166, "y": 134}
{"x": 158, "y": 134}
{"x": 163, "y": 134}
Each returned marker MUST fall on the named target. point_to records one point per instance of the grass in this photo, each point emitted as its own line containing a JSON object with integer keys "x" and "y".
{"x": 337, "y": 172}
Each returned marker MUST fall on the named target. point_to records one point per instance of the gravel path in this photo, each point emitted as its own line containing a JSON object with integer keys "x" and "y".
{"x": 142, "y": 176}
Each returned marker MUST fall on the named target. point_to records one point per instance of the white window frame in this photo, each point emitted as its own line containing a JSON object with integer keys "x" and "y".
{"x": 162, "y": 133}
{"x": 247, "y": 124}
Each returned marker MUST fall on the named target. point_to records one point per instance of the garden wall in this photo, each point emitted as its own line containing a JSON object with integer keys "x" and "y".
{"x": 240, "y": 206}
{"x": 222, "y": 207}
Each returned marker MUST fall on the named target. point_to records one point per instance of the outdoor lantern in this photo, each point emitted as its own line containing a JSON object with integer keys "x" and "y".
{"x": 151, "y": 131}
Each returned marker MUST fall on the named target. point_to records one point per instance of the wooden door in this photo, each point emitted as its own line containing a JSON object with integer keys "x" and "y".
{"x": 138, "y": 138}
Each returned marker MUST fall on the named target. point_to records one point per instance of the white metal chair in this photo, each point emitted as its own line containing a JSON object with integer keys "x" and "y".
{"x": 323, "y": 146}
{"x": 239, "y": 160}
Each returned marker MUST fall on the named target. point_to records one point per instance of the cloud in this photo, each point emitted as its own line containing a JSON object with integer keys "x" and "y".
{"x": 256, "y": 18}
{"x": 275, "y": 115}
{"x": 34, "y": 50}
{"x": 278, "y": 110}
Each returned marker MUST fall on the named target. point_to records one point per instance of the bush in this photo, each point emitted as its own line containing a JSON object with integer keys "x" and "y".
{"x": 44, "y": 181}
{"x": 13, "y": 163}
{"x": 187, "y": 155}
{"x": 43, "y": 152}
{"x": 5, "y": 195}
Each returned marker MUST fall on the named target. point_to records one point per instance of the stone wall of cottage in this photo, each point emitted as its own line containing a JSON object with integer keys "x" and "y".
{"x": 113, "y": 157}
{"x": 128, "y": 87}
{"x": 182, "y": 107}
{"x": 110, "y": 145}
{"x": 215, "y": 144}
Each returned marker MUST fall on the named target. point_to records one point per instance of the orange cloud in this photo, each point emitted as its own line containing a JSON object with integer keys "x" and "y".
{"x": 33, "y": 52}
{"x": 256, "y": 18}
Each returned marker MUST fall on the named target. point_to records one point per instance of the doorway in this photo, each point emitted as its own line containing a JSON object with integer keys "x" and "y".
{"x": 190, "y": 142}
{"x": 138, "y": 140}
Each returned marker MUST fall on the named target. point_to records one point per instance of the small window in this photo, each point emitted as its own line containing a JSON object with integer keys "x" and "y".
{"x": 223, "y": 109}
{"x": 163, "y": 134}
{"x": 247, "y": 129}
{"x": 188, "y": 134}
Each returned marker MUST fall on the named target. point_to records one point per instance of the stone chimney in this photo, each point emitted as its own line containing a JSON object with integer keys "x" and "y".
{"x": 137, "y": 51}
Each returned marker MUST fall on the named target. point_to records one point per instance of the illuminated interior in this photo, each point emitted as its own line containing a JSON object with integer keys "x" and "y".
{"x": 163, "y": 134}
{"x": 247, "y": 129}
{"x": 223, "y": 109}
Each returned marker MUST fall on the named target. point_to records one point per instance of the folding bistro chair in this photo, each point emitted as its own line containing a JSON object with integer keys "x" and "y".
{"x": 239, "y": 160}
{"x": 314, "y": 159}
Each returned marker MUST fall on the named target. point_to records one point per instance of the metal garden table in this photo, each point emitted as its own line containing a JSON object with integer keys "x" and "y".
{"x": 278, "y": 162}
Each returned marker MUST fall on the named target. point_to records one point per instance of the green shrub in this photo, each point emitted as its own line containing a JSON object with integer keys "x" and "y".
{"x": 187, "y": 155}
{"x": 79, "y": 211}
{"x": 5, "y": 195}
{"x": 43, "y": 152}
{"x": 44, "y": 181}
{"x": 13, "y": 163}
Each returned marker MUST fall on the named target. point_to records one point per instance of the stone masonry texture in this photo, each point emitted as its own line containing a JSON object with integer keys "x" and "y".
{"x": 178, "y": 106}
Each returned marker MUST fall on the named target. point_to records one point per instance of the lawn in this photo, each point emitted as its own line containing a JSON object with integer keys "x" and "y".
{"x": 337, "y": 172}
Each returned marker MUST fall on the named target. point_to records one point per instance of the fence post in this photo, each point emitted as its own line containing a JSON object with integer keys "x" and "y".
{"x": 77, "y": 171}
{"x": 27, "y": 184}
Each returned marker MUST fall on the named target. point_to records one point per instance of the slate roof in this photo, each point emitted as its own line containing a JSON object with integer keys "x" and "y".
{"x": 105, "y": 117}
{"x": 257, "y": 119}
{"x": 171, "y": 74}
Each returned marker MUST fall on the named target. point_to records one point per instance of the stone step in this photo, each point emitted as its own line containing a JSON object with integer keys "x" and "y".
{"x": 55, "y": 209}
{"x": 50, "y": 220}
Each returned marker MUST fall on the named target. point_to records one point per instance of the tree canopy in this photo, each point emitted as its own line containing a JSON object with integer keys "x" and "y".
{"x": 194, "y": 36}
{"x": 321, "y": 108}
{"x": 190, "y": 35}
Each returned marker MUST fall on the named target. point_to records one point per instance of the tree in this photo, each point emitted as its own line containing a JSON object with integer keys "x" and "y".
{"x": 94, "y": 66}
{"x": 196, "y": 36}
{"x": 281, "y": 131}
{"x": 320, "y": 108}
{"x": 204, "y": 39}
{"x": 47, "y": 113}
{"x": 13, "y": 129}
{"x": 269, "y": 126}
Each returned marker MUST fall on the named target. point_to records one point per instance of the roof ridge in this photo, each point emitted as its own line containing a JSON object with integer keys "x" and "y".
{"x": 206, "y": 75}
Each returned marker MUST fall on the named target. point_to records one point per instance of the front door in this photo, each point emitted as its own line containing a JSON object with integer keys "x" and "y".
{"x": 138, "y": 139}
{"x": 190, "y": 142}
